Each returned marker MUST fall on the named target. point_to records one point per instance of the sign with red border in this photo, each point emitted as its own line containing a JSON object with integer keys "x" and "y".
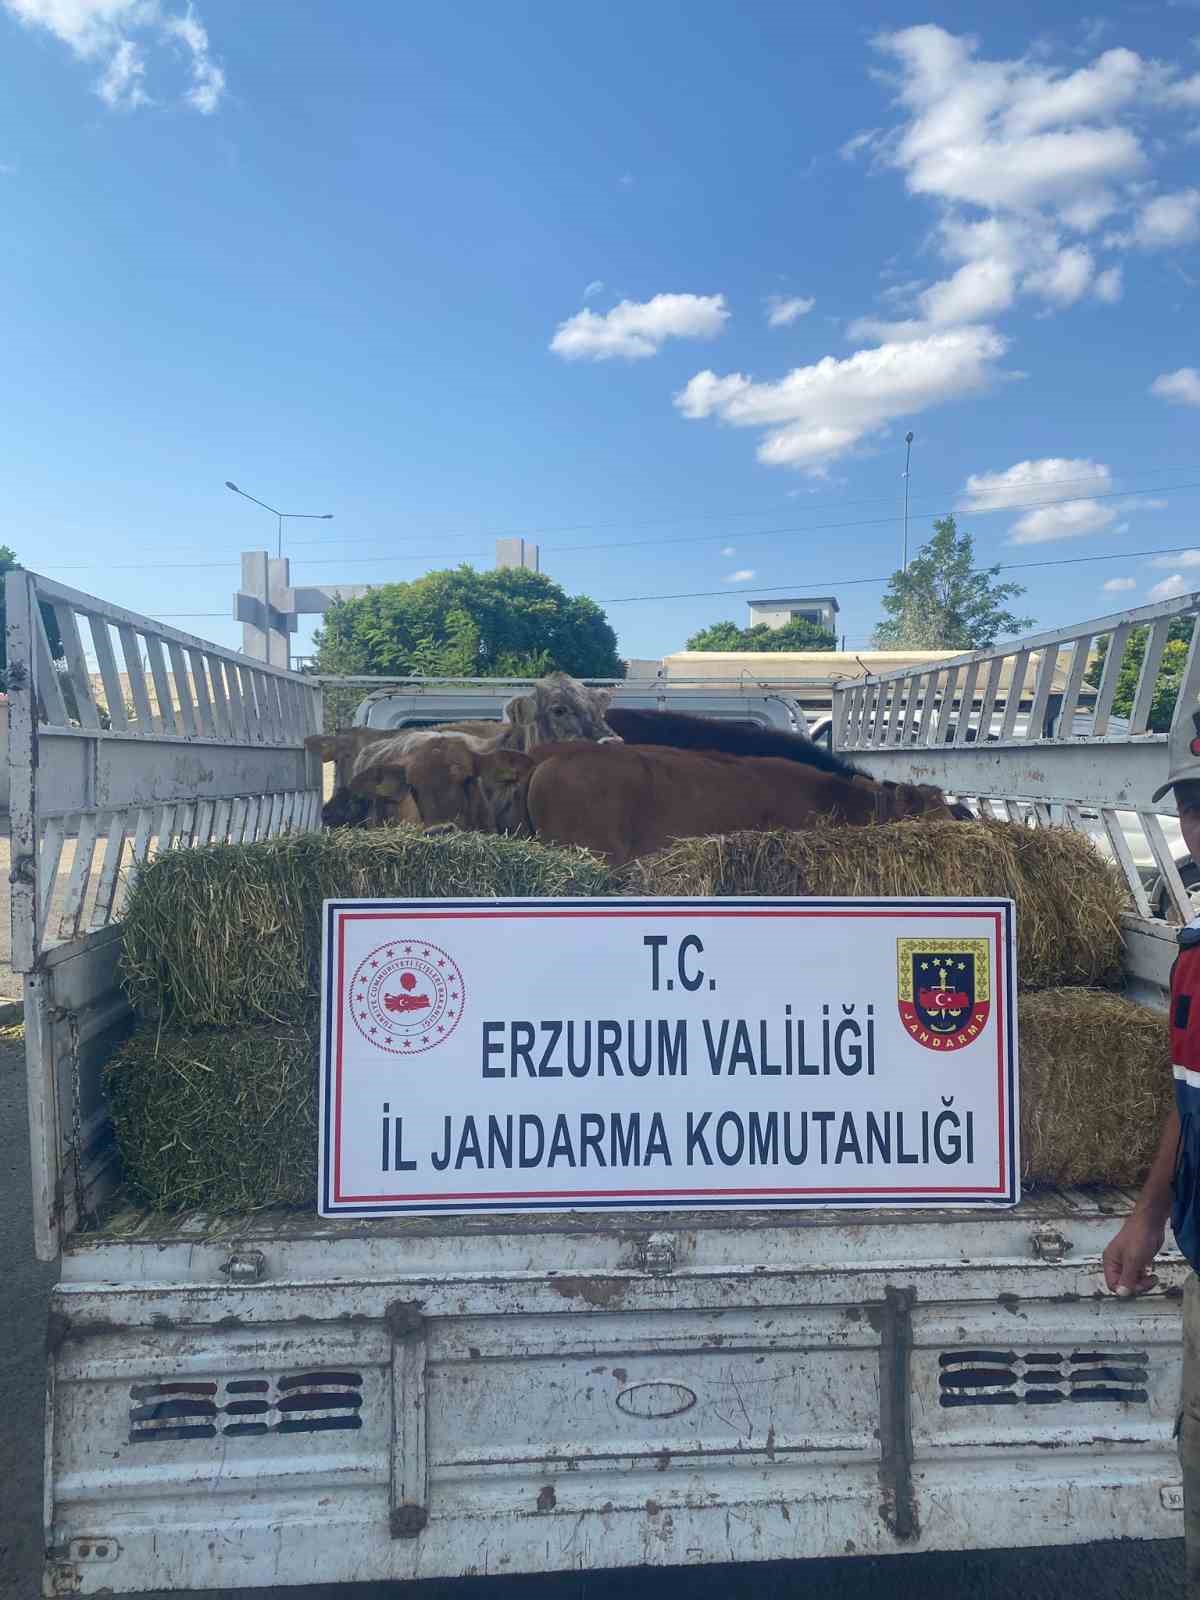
{"x": 484, "y": 1055}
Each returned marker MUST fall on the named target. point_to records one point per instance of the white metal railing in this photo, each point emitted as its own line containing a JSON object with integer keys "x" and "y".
{"x": 1020, "y": 731}
{"x": 188, "y": 744}
{"x": 185, "y": 743}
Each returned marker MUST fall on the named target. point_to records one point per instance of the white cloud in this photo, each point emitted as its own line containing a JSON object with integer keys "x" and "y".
{"x": 1020, "y": 155}
{"x": 1185, "y": 94}
{"x": 854, "y": 147}
{"x": 817, "y": 413}
{"x": 1119, "y": 585}
{"x": 1166, "y": 220}
{"x": 120, "y": 85}
{"x": 1070, "y": 521}
{"x": 1009, "y": 135}
{"x": 729, "y": 550}
{"x": 595, "y": 287}
{"x": 977, "y": 291}
{"x": 1051, "y": 478}
{"x": 1182, "y": 387}
{"x": 116, "y": 33}
{"x": 208, "y": 79}
{"x": 1028, "y": 481}
{"x": 1065, "y": 279}
{"x": 1181, "y": 558}
{"x": 635, "y": 330}
{"x": 1168, "y": 588}
{"x": 742, "y": 575}
{"x": 782, "y": 313}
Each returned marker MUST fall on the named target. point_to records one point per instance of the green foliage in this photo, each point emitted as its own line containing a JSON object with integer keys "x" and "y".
{"x": 796, "y": 635}
{"x": 9, "y": 563}
{"x": 943, "y": 602}
{"x": 461, "y": 623}
{"x": 1170, "y": 674}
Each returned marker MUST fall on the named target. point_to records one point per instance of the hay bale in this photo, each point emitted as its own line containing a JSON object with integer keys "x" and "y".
{"x": 221, "y": 1121}
{"x": 1069, "y": 899}
{"x": 226, "y": 1120}
{"x": 230, "y": 935}
{"x": 1096, "y": 1086}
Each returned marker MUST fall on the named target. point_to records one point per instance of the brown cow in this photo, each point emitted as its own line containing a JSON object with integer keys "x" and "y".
{"x": 624, "y": 801}
{"x": 557, "y": 707}
{"x": 447, "y": 778}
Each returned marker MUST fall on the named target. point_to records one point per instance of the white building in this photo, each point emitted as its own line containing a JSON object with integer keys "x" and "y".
{"x": 517, "y": 553}
{"x": 821, "y": 610}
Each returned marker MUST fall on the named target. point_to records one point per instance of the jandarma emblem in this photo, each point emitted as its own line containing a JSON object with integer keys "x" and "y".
{"x": 407, "y": 996}
{"x": 944, "y": 990}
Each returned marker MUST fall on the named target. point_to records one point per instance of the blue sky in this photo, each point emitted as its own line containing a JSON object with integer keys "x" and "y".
{"x": 663, "y": 287}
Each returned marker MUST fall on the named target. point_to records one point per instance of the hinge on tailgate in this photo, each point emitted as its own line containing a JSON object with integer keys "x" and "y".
{"x": 1050, "y": 1245}
{"x": 655, "y": 1254}
{"x": 245, "y": 1266}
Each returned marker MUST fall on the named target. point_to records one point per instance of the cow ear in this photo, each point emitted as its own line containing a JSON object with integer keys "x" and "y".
{"x": 521, "y": 708}
{"x": 323, "y": 745}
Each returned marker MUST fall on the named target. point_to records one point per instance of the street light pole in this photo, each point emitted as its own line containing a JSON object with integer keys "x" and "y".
{"x": 308, "y": 516}
{"x": 908, "y": 439}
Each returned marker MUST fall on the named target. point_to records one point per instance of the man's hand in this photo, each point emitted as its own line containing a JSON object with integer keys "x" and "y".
{"x": 1128, "y": 1256}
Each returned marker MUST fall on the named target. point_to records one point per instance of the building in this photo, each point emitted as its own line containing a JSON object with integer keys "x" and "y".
{"x": 517, "y": 553}
{"x": 810, "y": 675}
{"x": 805, "y": 675}
{"x": 821, "y": 610}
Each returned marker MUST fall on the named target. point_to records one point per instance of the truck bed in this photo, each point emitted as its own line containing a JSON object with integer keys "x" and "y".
{"x": 285, "y": 1398}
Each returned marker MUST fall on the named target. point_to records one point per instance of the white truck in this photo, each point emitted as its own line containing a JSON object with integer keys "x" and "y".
{"x": 280, "y": 1399}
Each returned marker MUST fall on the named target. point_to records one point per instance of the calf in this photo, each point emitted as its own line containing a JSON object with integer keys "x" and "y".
{"x": 557, "y": 707}
{"x": 448, "y": 779}
{"x": 624, "y": 801}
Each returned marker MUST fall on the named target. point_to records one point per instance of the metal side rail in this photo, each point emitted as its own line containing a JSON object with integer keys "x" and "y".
{"x": 183, "y": 744}
{"x": 1028, "y": 732}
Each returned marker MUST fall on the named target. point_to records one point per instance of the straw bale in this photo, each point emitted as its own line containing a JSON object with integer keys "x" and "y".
{"x": 1096, "y": 1086}
{"x": 226, "y": 1120}
{"x": 218, "y": 1120}
{"x": 1069, "y": 899}
{"x": 230, "y": 935}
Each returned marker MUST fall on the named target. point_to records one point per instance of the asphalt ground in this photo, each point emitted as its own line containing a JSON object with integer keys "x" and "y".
{"x": 1125, "y": 1571}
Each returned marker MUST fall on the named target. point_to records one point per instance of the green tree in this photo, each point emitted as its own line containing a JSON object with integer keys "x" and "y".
{"x": 795, "y": 635}
{"x": 944, "y": 602}
{"x": 461, "y": 623}
{"x": 9, "y": 563}
{"x": 1170, "y": 673}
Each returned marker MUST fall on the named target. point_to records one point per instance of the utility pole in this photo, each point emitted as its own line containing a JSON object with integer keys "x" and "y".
{"x": 908, "y": 439}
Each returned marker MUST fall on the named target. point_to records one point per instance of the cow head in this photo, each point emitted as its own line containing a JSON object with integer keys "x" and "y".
{"x": 448, "y": 780}
{"x": 559, "y": 708}
{"x": 346, "y": 809}
{"x": 915, "y": 800}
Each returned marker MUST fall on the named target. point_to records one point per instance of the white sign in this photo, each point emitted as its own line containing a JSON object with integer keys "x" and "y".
{"x": 485, "y": 1055}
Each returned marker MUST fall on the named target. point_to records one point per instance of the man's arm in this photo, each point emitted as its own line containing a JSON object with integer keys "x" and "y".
{"x": 1128, "y": 1256}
